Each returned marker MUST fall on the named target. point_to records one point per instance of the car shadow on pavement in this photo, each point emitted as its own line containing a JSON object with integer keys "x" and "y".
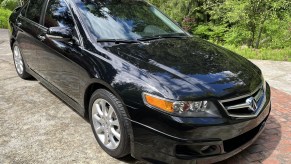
{"x": 264, "y": 148}
{"x": 68, "y": 105}
{"x": 126, "y": 159}
{"x": 31, "y": 79}
{"x": 130, "y": 159}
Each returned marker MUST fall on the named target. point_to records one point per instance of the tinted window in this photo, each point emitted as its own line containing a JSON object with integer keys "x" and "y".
{"x": 125, "y": 19}
{"x": 34, "y": 10}
{"x": 58, "y": 15}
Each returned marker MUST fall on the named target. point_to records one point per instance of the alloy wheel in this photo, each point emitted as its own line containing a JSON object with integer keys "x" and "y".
{"x": 18, "y": 60}
{"x": 106, "y": 123}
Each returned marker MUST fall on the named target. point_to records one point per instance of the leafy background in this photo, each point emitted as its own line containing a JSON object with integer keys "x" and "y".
{"x": 6, "y": 7}
{"x": 258, "y": 29}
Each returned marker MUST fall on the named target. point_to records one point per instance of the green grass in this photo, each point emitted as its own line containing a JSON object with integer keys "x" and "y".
{"x": 263, "y": 53}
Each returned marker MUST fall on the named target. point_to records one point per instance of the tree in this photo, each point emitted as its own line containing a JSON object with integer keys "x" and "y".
{"x": 252, "y": 17}
{"x": 237, "y": 22}
{"x": 10, "y": 4}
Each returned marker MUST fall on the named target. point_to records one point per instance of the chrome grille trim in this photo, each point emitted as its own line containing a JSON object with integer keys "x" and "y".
{"x": 239, "y": 106}
{"x": 260, "y": 99}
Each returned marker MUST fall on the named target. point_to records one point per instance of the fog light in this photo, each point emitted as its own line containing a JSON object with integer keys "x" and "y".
{"x": 209, "y": 149}
{"x": 204, "y": 148}
{"x": 197, "y": 150}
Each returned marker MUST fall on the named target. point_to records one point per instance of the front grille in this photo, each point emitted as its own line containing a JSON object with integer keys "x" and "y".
{"x": 245, "y": 106}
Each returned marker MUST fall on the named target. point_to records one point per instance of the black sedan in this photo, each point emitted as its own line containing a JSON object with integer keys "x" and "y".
{"x": 147, "y": 87}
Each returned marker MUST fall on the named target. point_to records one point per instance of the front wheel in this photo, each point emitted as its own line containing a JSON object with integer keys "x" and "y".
{"x": 109, "y": 123}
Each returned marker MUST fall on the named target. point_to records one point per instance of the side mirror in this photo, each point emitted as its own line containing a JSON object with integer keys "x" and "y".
{"x": 59, "y": 33}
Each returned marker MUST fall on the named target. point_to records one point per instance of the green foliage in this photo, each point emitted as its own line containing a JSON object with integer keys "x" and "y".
{"x": 212, "y": 32}
{"x": 10, "y": 4}
{"x": 278, "y": 33}
{"x": 255, "y": 23}
{"x": 4, "y": 15}
{"x": 263, "y": 53}
{"x": 254, "y": 17}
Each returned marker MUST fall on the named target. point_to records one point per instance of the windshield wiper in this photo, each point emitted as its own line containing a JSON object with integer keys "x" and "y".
{"x": 117, "y": 41}
{"x": 165, "y": 36}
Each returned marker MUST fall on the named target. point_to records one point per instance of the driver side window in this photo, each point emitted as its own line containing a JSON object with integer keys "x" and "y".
{"x": 58, "y": 15}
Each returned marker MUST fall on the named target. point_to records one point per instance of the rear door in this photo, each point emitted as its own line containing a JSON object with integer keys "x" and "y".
{"x": 29, "y": 28}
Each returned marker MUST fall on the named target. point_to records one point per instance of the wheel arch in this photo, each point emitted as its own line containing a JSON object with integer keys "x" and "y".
{"x": 102, "y": 85}
{"x": 91, "y": 88}
{"x": 12, "y": 41}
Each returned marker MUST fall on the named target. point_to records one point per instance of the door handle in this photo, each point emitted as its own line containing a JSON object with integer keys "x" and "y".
{"x": 18, "y": 23}
{"x": 41, "y": 37}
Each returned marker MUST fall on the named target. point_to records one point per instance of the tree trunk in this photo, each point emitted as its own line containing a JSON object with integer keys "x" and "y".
{"x": 259, "y": 37}
{"x": 253, "y": 31}
{"x": 260, "y": 32}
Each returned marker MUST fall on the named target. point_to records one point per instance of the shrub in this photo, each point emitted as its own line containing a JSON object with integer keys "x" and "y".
{"x": 10, "y": 4}
{"x": 4, "y": 16}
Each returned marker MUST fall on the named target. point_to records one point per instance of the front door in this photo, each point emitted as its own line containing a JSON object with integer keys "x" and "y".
{"x": 59, "y": 58}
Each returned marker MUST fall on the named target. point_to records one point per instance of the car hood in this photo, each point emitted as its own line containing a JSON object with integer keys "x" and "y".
{"x": 191, "y": 67}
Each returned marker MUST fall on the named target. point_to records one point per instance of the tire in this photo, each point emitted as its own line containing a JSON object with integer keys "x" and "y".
{"x": 110, "y": 120}
{"x": 19, "y": 63}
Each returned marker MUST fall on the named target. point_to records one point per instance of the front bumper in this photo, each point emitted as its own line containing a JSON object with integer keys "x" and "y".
{"x": 163, "y": 141}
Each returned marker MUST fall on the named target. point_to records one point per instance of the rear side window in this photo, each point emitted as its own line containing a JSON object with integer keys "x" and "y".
{"x": 58, "y": 15}
{"x": 34, "y": 10}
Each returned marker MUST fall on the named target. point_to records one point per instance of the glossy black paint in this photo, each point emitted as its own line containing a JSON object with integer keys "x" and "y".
{"x": 185, "y": 68}
{"x": 191, "y": 65}
{"x": 157, "y": 136}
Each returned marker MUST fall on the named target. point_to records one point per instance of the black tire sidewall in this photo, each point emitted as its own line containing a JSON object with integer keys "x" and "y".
{"x": 123, "y": 147}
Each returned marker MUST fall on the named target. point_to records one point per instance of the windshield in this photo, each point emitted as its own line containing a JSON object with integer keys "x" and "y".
{"x": 126, "y": 20}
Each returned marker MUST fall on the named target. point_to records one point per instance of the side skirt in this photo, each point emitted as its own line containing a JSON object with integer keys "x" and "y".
{"x": 70, "y": 102}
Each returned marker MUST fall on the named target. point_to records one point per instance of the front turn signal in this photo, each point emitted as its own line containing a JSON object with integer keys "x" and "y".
{"x": 159, "y": 103}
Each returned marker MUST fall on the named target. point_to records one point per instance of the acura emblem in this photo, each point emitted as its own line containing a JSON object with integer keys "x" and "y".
{"x": 252, "y": 104}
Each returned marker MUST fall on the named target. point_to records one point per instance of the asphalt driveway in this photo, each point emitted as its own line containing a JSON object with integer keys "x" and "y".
{"x": 37, "y": 127}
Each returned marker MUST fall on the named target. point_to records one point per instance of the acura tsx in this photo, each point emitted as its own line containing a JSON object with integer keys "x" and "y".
{"x": 147, "y": 87}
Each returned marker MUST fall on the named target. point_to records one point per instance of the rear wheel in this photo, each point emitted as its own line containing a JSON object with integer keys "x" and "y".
{"x": 19, "y": 63}
{"x": 109, "y": 123}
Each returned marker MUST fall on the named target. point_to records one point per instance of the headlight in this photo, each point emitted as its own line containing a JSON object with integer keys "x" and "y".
{"x": 182, "y": 108}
